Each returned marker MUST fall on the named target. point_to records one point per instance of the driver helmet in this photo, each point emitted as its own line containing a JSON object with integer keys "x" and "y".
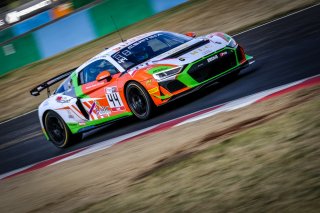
{"x": 140, "y": 53}
{"x": 93, "y": 73}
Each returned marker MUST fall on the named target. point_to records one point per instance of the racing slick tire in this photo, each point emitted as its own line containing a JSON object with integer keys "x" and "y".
{"x": 139, "y": 101}
{"x": 58, "y": 132}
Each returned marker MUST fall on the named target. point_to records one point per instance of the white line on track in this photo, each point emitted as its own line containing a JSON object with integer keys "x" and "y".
{"x": 104, "y": 144}
{"x": 18, "y": 116}
{"x": 253, "y": 28}
{"x": 277, "y": 19}
{"x": 2, "y": 176}
{"x": 242, "y": 102}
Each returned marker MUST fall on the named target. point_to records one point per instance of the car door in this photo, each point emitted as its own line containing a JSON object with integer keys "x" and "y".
{"x": 100, "y": 99}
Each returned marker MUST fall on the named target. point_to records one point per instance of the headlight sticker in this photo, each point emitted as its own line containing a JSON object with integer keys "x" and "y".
{"x": 169, "y": 73}
{"x": 212, "y": 58}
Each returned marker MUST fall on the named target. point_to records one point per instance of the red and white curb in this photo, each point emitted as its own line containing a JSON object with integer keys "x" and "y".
{"x": 229, "y": 106}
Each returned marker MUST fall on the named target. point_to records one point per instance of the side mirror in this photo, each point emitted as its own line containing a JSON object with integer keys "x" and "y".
{"x": 191, "y": 34}
{"x": 104, "y": 75}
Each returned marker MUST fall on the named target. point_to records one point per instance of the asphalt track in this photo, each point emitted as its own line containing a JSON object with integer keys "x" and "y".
{"x": 285, "y": 50}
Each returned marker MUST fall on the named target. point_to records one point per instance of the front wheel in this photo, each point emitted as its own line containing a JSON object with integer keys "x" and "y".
{"x": 139, "y": 101}
{"x": 58, "y": 132}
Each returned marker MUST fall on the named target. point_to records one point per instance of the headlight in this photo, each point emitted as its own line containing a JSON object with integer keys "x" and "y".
{"x": 232, "y": 43}
{"x": 164, "y": 75}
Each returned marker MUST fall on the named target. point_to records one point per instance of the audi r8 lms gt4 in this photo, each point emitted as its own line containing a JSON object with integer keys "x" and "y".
{"x": 133, "y": 78}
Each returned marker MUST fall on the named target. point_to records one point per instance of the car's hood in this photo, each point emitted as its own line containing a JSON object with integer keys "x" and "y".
{"x": 185, "y": 53}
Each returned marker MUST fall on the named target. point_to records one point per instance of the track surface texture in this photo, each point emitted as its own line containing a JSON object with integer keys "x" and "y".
{"x": 286, "y": 50}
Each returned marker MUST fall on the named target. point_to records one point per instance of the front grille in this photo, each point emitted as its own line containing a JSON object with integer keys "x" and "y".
{"x": 204, "y": 70}
{"x": 172, "y": 86}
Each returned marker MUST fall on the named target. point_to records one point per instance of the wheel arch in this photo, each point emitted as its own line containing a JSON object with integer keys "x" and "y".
{"x": 44, "y": 125}
{"x": 135, "y": 81}
{"x": 128, "y": 82}
{"x": 148, "y": 100}
{"x": 44, "y": 130}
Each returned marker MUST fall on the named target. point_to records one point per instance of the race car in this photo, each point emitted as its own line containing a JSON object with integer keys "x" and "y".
{"x": 132, "y": 78}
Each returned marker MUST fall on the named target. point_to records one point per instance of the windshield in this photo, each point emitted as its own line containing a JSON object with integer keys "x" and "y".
{"x": 147, "y": 48}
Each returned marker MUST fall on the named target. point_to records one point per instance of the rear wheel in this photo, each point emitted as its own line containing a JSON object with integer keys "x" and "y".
{"x": 58, "y": 132}
{"x": 139, "y": 101}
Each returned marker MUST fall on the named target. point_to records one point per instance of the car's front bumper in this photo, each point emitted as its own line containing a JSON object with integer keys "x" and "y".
{"x": 205, "y": 71}
{"x": 210, "y": 82}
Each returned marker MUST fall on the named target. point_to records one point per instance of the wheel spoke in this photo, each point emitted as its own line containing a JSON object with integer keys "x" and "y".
{"x": 137, "y": 101}
{"x": 56, "y": 130}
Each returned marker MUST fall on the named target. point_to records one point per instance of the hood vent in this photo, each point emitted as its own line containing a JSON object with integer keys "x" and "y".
{"x": 188, "y": 49}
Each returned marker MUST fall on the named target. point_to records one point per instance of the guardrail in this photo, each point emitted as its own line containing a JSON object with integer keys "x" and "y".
{"x": 76, "y": 29}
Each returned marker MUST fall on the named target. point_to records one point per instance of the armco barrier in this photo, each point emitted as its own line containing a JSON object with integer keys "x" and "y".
{"x": 122, "y": 11}
{"x": 74, "y": 30}
{"x": 18, "y": 53}
{"x": 6, "y": 35}
{"x": 31, "y": 23}
{"x": 64, "y": 34}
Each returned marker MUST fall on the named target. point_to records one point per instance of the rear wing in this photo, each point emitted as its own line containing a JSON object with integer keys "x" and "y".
{"x": 45, "y": 85}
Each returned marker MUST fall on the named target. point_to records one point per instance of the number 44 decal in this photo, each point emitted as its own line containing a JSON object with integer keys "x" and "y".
{"x": 114, "y": 99}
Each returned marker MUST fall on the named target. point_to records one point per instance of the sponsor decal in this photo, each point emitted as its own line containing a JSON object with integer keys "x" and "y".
{"x": 158, "y": 69}
{"x": 97, "y": 110}
{"x": 117, "y": 48}
{"x": 149, "y": 82}
{"x": 104, "y": 76}
{"x": 110, "y": 90}
{"x": 207, "y": 52}
{"x": 115, "y": 109}
{"x": 92, "y": 108}
{"x": 212, "y": 58}
{"x": 120, "y": 59}
{"x": 194, "y": 52}
{"x": 204, "y": 50}
{"x": 70, "y": 115}
{"x": 223, "y": 53}
{"x": 182, "y": 59}
{"x": 126, "y": 52}
{"x": 101, "y": 110}
{"x": 143, "y": 40}
{"x": 63, "y": 99}
{"x": 8, "y": 49}
{"x": 94, "y": 85}
{"x": 153, "y": 90}
{"x": 200, "y": 65}
{"x": 82, "y": 124}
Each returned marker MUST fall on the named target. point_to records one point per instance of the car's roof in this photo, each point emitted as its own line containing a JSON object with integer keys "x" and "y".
{"x": 111, "y": 50}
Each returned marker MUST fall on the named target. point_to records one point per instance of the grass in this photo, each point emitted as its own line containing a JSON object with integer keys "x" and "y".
{"x": 200, "y": 16}
{"x": 272, "y": 167}
{"x": 263, "y": 157}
